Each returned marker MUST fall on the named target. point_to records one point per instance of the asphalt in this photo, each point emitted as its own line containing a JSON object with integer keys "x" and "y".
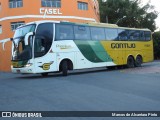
{"x": 100, "y": 89}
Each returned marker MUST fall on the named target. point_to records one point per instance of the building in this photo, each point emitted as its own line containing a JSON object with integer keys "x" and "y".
{"x": 14, "y": 13}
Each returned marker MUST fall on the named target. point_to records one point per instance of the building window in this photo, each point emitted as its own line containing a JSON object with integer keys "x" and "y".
{"x": 0, "y": 29}
{"x": 14, "y": 25}
{"x": 82, "y": 6}
{"x": 51, "y": 3}
{"x": 15, "y": 3}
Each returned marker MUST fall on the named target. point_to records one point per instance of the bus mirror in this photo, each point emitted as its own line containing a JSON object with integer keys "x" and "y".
{"x": 11, "y": 39}
{"x": 27, "y": 37}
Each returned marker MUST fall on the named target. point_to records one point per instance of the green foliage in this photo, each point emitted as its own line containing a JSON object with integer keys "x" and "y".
{"x": 136, "y": 16}
{"x": 156, "y": 43}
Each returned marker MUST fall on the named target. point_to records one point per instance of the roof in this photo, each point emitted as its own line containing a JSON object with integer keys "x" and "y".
{"x": 88, "y": 24}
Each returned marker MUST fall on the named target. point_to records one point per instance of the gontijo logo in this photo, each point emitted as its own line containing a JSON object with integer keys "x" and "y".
{"x": 123, "y": 45}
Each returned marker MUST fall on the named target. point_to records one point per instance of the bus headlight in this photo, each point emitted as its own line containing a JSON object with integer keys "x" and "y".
{"x": 28, "y": 65}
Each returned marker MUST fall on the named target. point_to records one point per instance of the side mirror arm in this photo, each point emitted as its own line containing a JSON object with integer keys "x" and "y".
{"x": 27, "y": 36}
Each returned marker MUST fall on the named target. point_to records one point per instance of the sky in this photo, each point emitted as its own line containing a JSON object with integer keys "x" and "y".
{"x": 156, "y": 3}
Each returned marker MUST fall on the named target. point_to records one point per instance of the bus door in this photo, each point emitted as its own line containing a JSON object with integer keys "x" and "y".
{"x": 45, "y": 58}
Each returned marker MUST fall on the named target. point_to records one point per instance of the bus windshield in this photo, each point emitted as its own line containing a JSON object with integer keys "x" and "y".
{"x": 20, "y": 50}
{"x": 22, "y": 31}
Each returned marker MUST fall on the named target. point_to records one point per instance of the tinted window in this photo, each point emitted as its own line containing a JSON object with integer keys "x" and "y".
{"x": 142, "y": 36}
{"x": 97, "y": 33}
{"x": 147, "y": 35}
{"x": 82, "y": 33}
{"x": 134, "y": 35}
{"x": 43, "y": 39}
{"x": 123, "y": 34}
{"x": 64, "y": 32}
{"x": 111, "y": 34}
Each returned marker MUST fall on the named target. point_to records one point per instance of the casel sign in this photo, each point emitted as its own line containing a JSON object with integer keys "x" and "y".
{"x": 45, "y": 11}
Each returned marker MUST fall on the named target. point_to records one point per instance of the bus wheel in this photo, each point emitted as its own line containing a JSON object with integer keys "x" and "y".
{"x": 138, "y": 61}
{"x": 44, "y": 74}
{"x": 130, "y": 62}
{"x": 64, "y": 68}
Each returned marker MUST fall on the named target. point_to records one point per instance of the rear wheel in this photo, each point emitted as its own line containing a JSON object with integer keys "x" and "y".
{"x": 138, "y": 61}
{"x": 130, "y": 62}
{"x": 64, "y": 68}
{"x": 44, "y": 74}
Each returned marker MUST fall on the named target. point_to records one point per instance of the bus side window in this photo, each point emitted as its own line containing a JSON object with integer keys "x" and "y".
{"x": 97, "y": 33}
{"x": 134, "y": 35}
{"x": 147, "y": 35}
{"x": 142, "y": 36}
{"x": 123, "y": 34}
{"x": 64, "y": 32}
{"x": 111, "y": 34}
{"x": 82, "y": 33}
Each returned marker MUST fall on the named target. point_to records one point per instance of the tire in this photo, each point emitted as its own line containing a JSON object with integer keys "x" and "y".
{"x": 130, "y": 62}
{"x": 44, "y": 74}
{"x": 64, "y": 68}
{"x": 138, "y": 61}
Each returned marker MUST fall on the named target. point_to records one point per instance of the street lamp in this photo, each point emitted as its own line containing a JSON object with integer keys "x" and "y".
{"x": 120, "y": 19}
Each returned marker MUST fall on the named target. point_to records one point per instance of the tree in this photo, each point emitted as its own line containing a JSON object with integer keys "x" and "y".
{"x": 135, "y": 15}
{"x": 156, "y": 43}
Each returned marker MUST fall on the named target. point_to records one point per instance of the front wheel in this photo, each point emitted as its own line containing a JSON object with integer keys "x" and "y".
{"x": 138, "y": 61}
{"x": 130, "y": 62}
{"x": 64, "y": 68}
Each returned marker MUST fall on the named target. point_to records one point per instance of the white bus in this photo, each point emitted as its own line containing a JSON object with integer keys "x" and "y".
{"x": 53, "y": 46}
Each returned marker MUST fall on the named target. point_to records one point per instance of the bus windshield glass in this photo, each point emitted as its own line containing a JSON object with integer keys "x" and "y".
{"x": 22, "y": 31}
{"x": 20, "y": 50}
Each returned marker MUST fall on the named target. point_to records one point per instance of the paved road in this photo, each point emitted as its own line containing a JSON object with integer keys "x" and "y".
{"x": 100, "y": 89}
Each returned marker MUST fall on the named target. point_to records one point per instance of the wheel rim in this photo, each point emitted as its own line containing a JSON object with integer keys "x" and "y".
{"x": 138, "y": 61}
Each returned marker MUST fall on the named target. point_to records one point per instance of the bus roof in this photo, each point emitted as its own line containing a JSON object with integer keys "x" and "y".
{"x": 106, "y": 25}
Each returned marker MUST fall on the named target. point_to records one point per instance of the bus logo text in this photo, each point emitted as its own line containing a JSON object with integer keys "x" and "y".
{"x": 123, "y": 45}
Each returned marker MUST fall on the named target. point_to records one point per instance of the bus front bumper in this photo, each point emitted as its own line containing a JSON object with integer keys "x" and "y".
{"x": 22, "y": 70}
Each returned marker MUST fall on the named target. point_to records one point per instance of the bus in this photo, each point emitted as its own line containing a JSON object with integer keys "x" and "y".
{"x": 57, "y": 46}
